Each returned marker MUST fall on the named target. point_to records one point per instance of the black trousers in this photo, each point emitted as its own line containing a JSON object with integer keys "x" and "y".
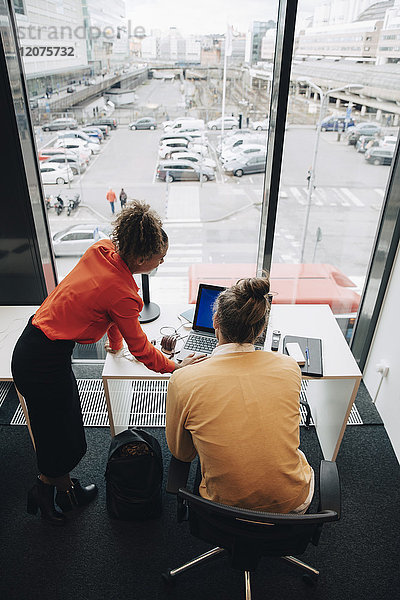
{"x": 42, "y": 372}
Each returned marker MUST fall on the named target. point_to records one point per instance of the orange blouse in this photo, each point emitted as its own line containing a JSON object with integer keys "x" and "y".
{"x": 100, "y": 295}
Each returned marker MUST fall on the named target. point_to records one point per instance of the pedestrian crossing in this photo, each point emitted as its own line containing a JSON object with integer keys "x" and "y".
{"x": 332, "y": 196}
{"x": 184, "y": 223}
{"x": 327, "y": 196}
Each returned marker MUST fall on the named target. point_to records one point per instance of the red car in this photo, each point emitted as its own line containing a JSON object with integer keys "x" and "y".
{"x": 48, "y": 152}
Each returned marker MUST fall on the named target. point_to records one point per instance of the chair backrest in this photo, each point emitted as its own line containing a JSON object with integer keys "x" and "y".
{"x": 247, "y": 535}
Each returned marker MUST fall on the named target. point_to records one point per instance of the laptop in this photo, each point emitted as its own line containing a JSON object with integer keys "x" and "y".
{"x": 201, "y": 338}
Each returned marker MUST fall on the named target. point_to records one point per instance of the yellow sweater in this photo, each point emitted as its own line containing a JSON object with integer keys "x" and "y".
{"x": 240, "y": 413}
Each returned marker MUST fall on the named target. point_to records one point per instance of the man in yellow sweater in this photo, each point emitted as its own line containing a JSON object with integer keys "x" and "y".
{"x": 239, "y": 412}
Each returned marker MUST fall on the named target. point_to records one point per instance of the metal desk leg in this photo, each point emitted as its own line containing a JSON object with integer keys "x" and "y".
{"x": 26, "y": 415}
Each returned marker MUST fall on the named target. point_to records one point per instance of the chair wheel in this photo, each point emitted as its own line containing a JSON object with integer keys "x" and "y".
{"x": 310, "y": 578}
{"x": 168, "y": 579}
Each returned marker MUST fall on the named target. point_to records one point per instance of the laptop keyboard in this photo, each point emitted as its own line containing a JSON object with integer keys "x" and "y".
{"x": 199, "y": 343}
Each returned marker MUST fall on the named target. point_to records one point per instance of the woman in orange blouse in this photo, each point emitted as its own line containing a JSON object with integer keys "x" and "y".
{"x": 99, "y": 295}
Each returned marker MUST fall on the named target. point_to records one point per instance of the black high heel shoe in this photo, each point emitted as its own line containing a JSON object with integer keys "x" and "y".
{"x": 76, "y": 495}
{"x": 42, "y": 496}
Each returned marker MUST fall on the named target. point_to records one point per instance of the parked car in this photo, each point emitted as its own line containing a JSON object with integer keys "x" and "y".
{"x": 74, "y": 143}
{"x": 260, "y": 125}
{"x": 59, "y": 124}
{"x": 80, "y": 135}
{"x": 175, "y": 136}
{"x": 165, "y": 149}
{"x": 143, "y": 123}
{"x": 196, "y": 136}
{"x": 75, "y": 240}
{"x": 112, "y": 123}
{"x": 94, "y": 132}
{"x": 53, "y": 173}
{"x": 182, "y": 170}
{"x": 366, "y": 141}
{"x": 362, "y": 129}
{"x": 242, "y": 152}
{"x": 229, "y": 123}
{"x": 73, "y": 163}
{"x": 77, "y": 146}
{"x": 380, "y": 155}
{"x": 235, "y": 142}
{"x": 173, "y": 122}
{"x": 199, "y": 149}
{"x": 245, "y": 166}
{"x": 105, "y": 129}
{"x": 232, "y": 135}
{"x": 336, "y": 123}
{"x": 46, "y": 153}
{"x": 195, "y": 158}
{"x": 186, "y": 124}
{"x": 388, "y": 140}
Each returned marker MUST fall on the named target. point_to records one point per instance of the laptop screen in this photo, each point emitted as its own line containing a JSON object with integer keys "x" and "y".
{"x": 203, "y": 316}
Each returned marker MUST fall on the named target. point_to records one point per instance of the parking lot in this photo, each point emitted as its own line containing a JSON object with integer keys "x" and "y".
{"x": 218, "y": 221}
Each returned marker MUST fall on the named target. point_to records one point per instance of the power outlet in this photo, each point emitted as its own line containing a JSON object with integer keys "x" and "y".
{"x": 382, "y": 368}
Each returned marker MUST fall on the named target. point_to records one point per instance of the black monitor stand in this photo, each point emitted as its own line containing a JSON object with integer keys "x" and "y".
{"x": 151, "y": 311}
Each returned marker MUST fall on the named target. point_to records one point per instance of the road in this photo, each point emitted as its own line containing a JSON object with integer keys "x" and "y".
{"x": 219, "y": 221}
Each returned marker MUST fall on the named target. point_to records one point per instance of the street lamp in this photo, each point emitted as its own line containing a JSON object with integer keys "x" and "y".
{"x": 322, "y": 96}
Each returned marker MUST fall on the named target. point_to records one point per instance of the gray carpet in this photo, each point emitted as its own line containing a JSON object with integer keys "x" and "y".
{"x": 96, "y": 558}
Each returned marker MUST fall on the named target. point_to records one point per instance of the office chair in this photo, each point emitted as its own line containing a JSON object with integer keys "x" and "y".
{"x": 246, "y": 535}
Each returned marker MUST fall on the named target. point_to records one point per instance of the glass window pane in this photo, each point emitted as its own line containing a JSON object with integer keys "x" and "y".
{"x": 339, "y": 145}
{"x": 174, "y": 75}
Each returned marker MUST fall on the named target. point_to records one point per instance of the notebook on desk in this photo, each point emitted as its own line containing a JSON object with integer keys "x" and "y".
{"x": 201, "y": 338}
{"x": 312, "y": 350}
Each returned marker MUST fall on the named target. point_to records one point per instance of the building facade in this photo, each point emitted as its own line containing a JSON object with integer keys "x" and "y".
{"x": 53, "y": 43}
{"x": 106, "y": 29}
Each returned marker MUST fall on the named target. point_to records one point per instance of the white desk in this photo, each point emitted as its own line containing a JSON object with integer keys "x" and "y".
{"x": 13, "y": 320}
{"x": 330, "y": 397}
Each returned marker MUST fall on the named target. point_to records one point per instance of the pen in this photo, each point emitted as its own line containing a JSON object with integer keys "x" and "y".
{"x": 308, "y": 357}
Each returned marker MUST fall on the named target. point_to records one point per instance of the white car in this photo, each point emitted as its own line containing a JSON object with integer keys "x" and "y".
{"x": 243, "y": 151}
{"x": 55, "y": 173}
{"x": 201, "y": 149}
{"x": 196, "y": 158}
{"x": 261, "y": 125}
{"x": 229, "y": 123}
{"x": 174, "y": 143}
{"x": 80, "y": 135}
{"x": 198, "y": 149}
{"x": 195, "y": 134}
{"x": 234, "y": 142}
{"x": 75, "y": 240}
{"x": 76, "y": 146}
{"x": 77, "y": 143}
{"x": 389, "y": 140}
{"x": 165, "y": 124}
{"x": 185, "y": 125}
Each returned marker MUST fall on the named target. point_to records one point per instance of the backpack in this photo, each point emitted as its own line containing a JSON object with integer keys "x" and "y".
{"x": 134, "y": 475}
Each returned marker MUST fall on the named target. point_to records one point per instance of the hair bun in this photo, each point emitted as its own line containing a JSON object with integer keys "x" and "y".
{"x": 255, "y": 287}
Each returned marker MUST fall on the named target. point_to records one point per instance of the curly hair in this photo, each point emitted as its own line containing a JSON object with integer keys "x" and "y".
{"x": 242, "y": 310}
{"x": 138, "y": 232}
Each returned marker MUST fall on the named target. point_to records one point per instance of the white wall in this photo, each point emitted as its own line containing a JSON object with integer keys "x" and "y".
{"x": 385, "y": 348}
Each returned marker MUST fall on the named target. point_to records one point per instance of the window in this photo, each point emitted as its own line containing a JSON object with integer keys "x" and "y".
{"x": 19, "y": 7}
{"x": 319, "y": 219}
